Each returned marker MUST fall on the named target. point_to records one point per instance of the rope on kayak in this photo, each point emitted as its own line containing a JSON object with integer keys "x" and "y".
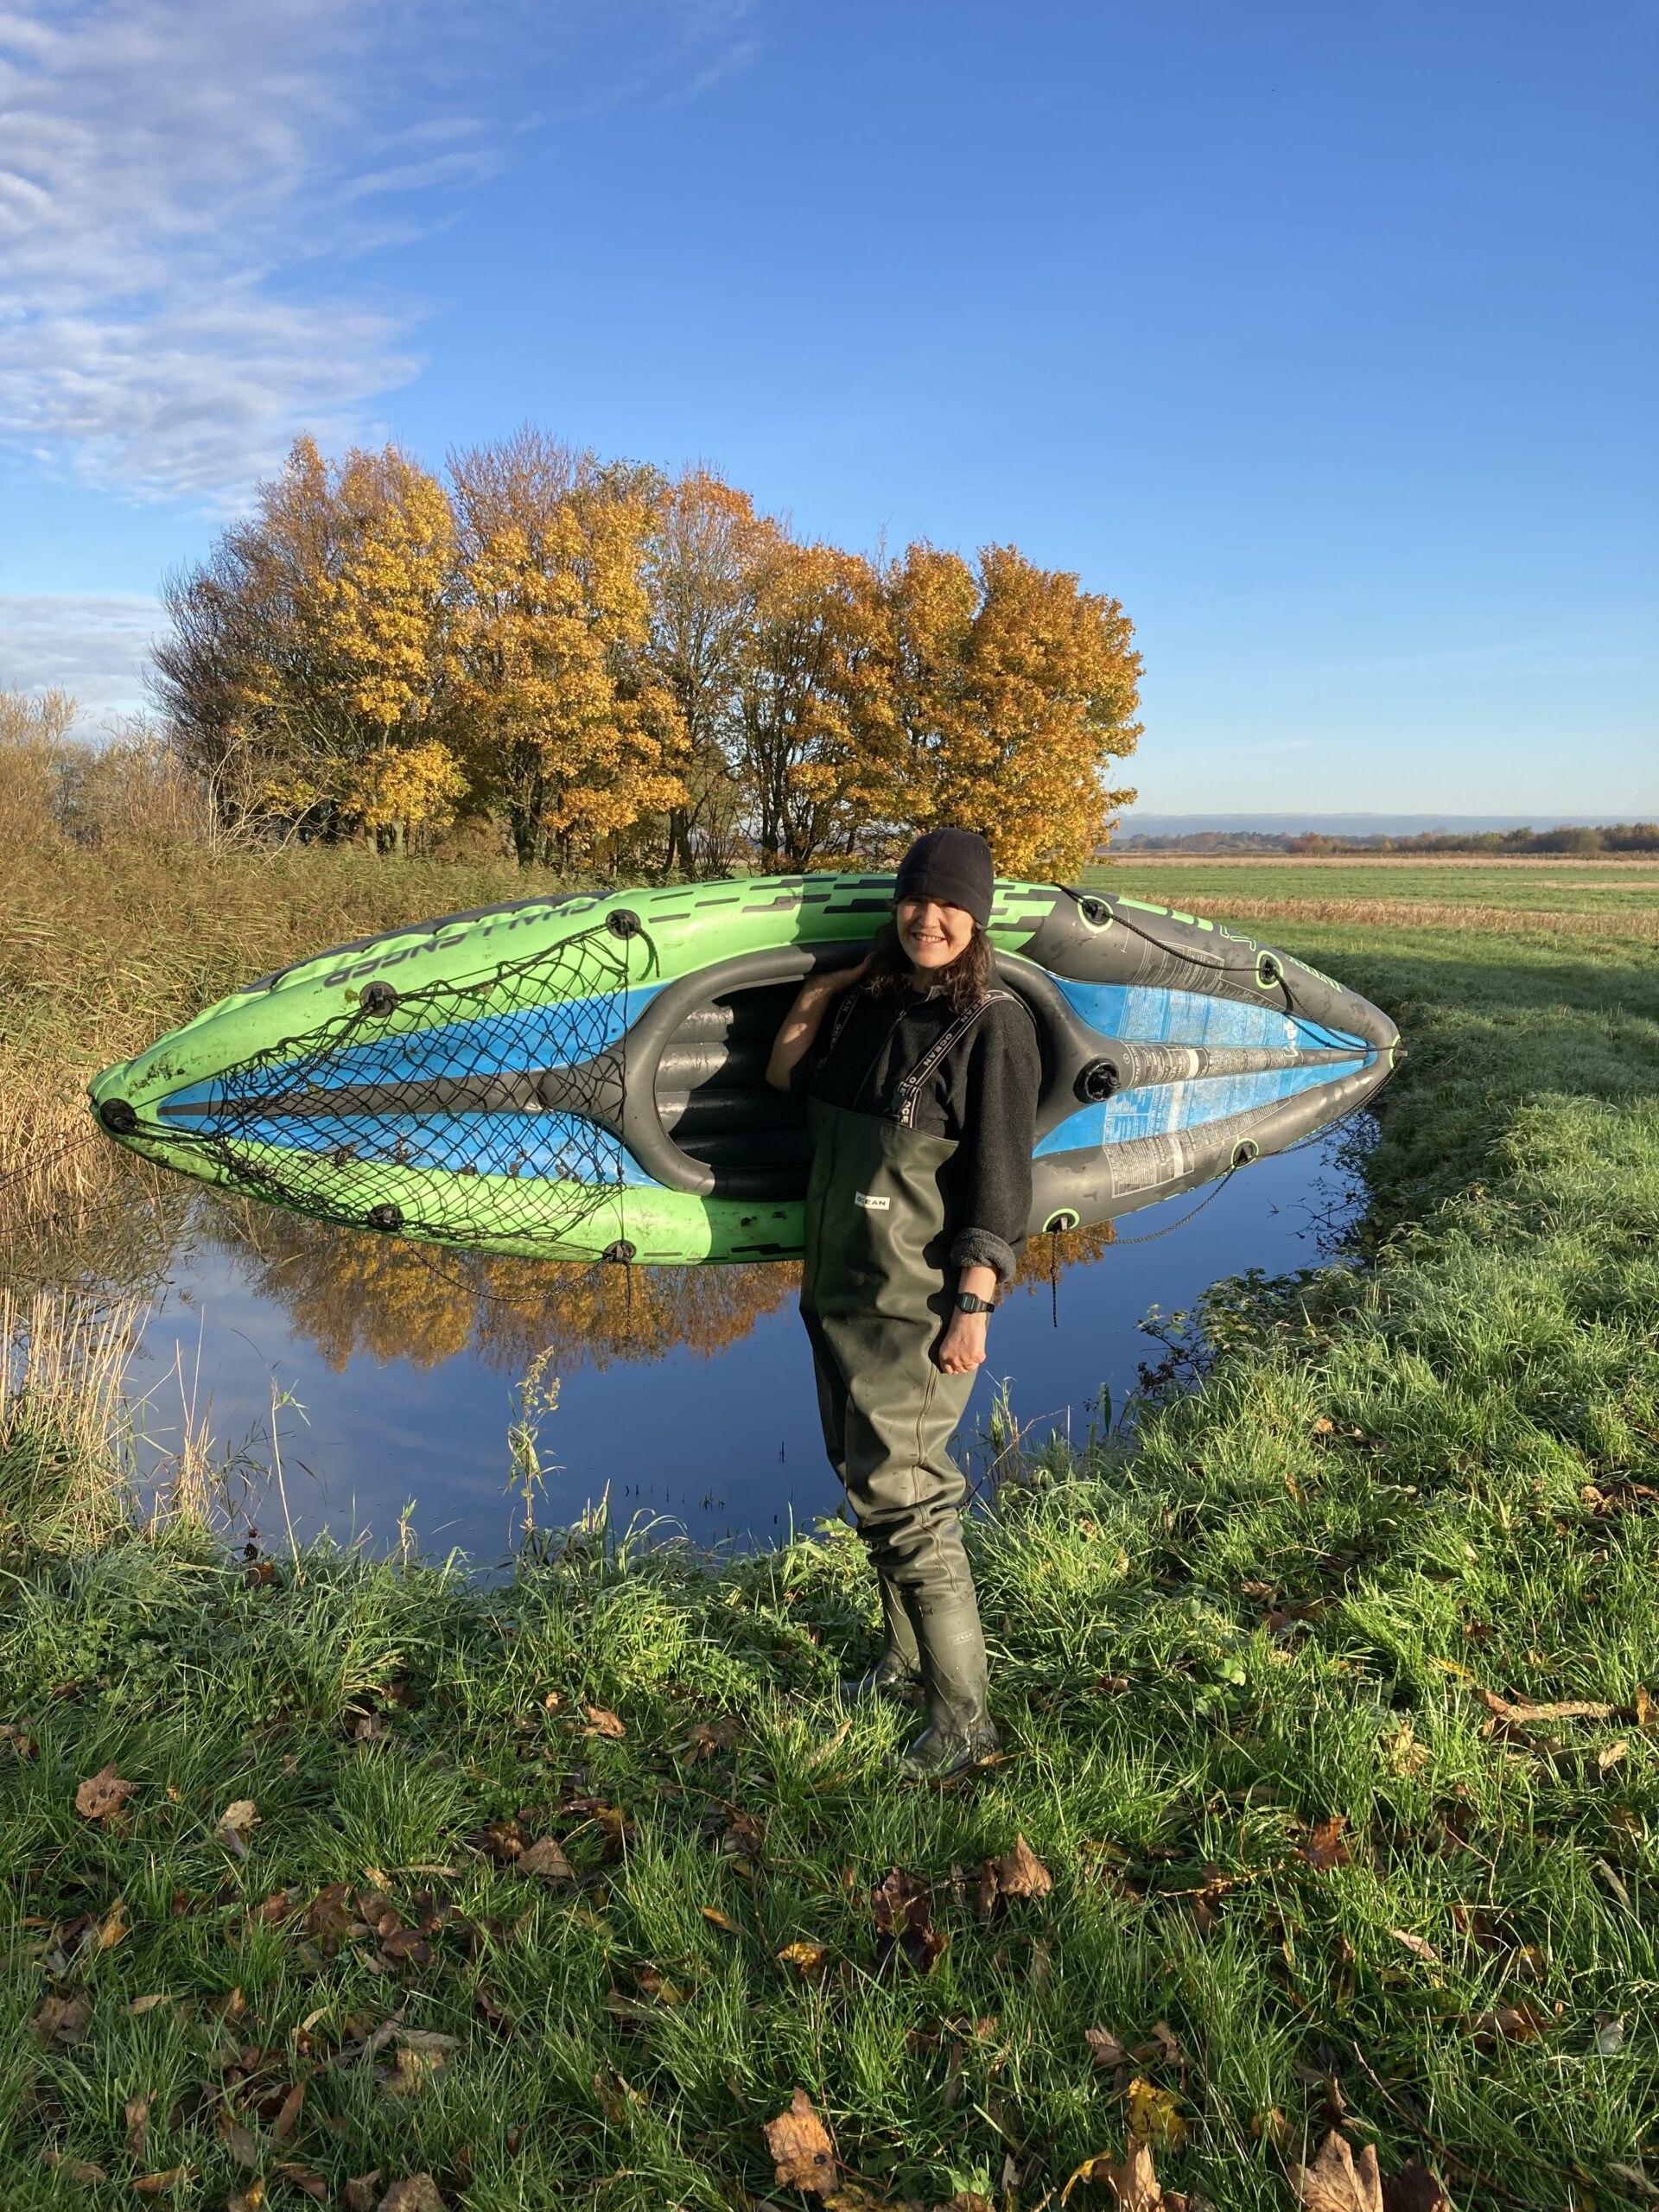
{"x": 510, "y": 1079}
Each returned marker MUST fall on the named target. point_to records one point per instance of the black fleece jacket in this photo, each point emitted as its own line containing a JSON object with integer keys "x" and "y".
{"x": 982, "y": 1093}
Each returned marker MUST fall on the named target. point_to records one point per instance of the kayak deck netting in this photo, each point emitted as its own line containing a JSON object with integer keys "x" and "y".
{"x": 434, "y": 1078}
{"x": 582, "y": 1078}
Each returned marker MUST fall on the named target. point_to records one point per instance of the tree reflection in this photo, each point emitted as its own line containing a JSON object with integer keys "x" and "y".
{"x": 350, "y": 1295}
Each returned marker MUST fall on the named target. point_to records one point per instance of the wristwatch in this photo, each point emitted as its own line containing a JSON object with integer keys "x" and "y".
{"x": 967, "y": 1303}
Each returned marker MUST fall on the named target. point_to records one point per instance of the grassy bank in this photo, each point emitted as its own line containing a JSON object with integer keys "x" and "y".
{"x": 511, "y": 1891}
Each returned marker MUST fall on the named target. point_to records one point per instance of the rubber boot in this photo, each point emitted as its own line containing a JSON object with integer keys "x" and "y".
{"x": 899, "y": 1667}
{"x": 960, "y": 1731}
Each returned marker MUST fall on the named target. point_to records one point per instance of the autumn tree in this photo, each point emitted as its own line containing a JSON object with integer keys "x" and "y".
{"x": 809, "y": 668}
{"x": 1009, "y": 695}
{"x": 568, "y": 728}
{"x": 705, "y": 551}
{"x": 307, "y": 665}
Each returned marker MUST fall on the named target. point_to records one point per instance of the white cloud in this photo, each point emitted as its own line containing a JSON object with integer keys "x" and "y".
{"x": 94, "y": 644}
{"x": 187, "y": 188}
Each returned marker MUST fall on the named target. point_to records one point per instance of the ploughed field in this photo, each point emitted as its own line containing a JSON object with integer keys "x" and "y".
{"x": 1330, "y": 1685}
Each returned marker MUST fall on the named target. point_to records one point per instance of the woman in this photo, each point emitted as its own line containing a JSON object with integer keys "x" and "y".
{"x": 922, "y": 1098}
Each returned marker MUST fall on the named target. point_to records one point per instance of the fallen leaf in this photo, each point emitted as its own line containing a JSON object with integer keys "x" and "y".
{"x": 241, "y": 2142}
{"x": 1405, "y": 1755}
{"x": 283, "y": 2125}
{"x": 251, "y": 2199}
{"x": 1021, "y": 1873}
{"x": 114, "y": 1928}
{"x": 102, "y": 1794}
{"x": 1521, "y": 2023}
{"x": 1106, "y": 2048}
{"x": 1643, "y": 1706}
{"x": 1415, "y": 2189}
{"x": 77, "y": 2169}
{"x": 1270, "y": 2126}
{"x": 360, "y": 2193}
{"x": 1520, "y": 1709}
{"x": 329, "y": 1915}
{"x": 705, "y": 1737}
{"x": 158, "y": 2184}
{"x": 801, "y": 2149}
{"x": 1609, "y": 1758}
{"x": 545, "y": 1858}
{"x": 314, "y": 2184}
{"x": 604, "y": 1724}
{"x": 235, "y": 1824}
{"x": 1327, "y": 1846}
{"x": 137, "y": 2120}
{"x": 1637, "y": 2176}
{"x": 62, "y": 2020}
{"x": 418, "y": 2194}
{"x": 412, "y": 2070}
{"x": 1610, "y": 2034}
{"x": 1133, "y": 2184}
{"x": 1155, "y": 2116}
{"x": 1165, "y": 2045}
{"x": 1334, "y": 2183}
{"x": 808, "y": 1960}
{"x": 716, "y": 1918}
{"x": 427, "y": 2041}
{"x": 1416, "y": 1946}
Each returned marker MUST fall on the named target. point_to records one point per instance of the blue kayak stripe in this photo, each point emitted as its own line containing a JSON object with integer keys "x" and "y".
{"x": 1157, "y": 1109}
{"x": 557, "y": 1148}
{"x": 1144, "y": 1016}
{"x": 501, "y": 1044}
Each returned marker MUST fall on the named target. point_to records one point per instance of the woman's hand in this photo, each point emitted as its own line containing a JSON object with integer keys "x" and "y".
{"x": 805, "y": 1017}
{"x": 962, "y": 1348}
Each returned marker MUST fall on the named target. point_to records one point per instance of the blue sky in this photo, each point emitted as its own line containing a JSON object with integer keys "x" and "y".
{"x": 1321, "y": 336}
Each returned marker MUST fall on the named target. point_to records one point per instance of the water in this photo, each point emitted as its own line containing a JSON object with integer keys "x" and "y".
{"x": 684, "y": 1397}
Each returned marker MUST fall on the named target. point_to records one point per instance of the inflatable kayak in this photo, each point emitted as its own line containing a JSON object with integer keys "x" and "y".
{"x": 582, "y": 1078}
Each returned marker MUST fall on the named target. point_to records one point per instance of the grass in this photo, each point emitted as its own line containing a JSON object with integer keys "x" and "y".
{"x": 1275, "y": 1607}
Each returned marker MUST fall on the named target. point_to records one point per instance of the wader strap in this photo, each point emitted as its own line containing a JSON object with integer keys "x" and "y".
{"x": 904, "y": 1093}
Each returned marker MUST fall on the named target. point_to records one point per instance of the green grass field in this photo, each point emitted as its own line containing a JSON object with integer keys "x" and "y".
{"x": 1332, "y": 1704}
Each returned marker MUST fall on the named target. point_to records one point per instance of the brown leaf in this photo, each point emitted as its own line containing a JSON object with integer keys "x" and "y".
{"x": 241, "y": 2142}
{"x": 605, "y": 1723}
{"x": 1270, "y": 2126}
{"x": 1133, "y": 2184}
{"x": 723, "y": 1921}
{"x": 705, "y": 1737}
{"x": 102, "y": 1794}
{"x": 361, "y": 2194}
{"x": 329, "y": 1914}
{"x": 1521, "y": 2023}
{"x": 546, "y": 1858}
{"x": 1416, "y": 1946}
{"x": 1327, "y": 1846}
{"x": 137, "y": 2119}
{"x": 62, "y": 2020}
{"x": 142, "y": 2005}
{"x": 1106, "y": 2049}
{"x": 1517, "y": 1709}
{"x": 413, "y": 2069}
{"x": 1609, "y": 1758}
{"x": 808, "y": 1960}
{"x": 303, "y": 2177}
{"x": 251, "y": 2199}
{"x": 235, "y": 1824}
{"x": 1334, "y": 2183}
{"x": 282, "y": 2126}
{"x": 1415, "y": 2189}
{"x": 418, "y": 2194}
{"x": 801, "y": 2149}
{"x": 77, "y": 2169}
{"x": 158, "y": 2184}
{"x": 277, "y": 1907}
{"x": 1021, "y": 1873}
{"x": 114, "y": 1928}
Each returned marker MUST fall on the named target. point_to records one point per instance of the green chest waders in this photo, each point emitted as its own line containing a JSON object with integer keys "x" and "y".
{"x": 877, "y": 1290}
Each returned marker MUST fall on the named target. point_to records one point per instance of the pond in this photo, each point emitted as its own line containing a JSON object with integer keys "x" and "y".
{"x": 381, "y": 1378}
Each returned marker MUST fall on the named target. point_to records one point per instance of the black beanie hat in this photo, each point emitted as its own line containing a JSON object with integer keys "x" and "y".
{"x": 954, "y": 865}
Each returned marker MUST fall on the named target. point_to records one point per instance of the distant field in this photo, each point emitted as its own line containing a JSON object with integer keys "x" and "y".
{"x": 1554, "y": 898}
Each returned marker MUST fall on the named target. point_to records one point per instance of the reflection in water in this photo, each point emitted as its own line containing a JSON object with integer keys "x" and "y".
{"x": 350, "y": 1294}
{"x": 684, "y": 1394}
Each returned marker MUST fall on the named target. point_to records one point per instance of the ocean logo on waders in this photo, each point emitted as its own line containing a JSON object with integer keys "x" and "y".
{"x": 873, "y": 1206}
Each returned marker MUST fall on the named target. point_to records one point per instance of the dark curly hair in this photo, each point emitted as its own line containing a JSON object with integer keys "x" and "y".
{"x": 965, "y": 983}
